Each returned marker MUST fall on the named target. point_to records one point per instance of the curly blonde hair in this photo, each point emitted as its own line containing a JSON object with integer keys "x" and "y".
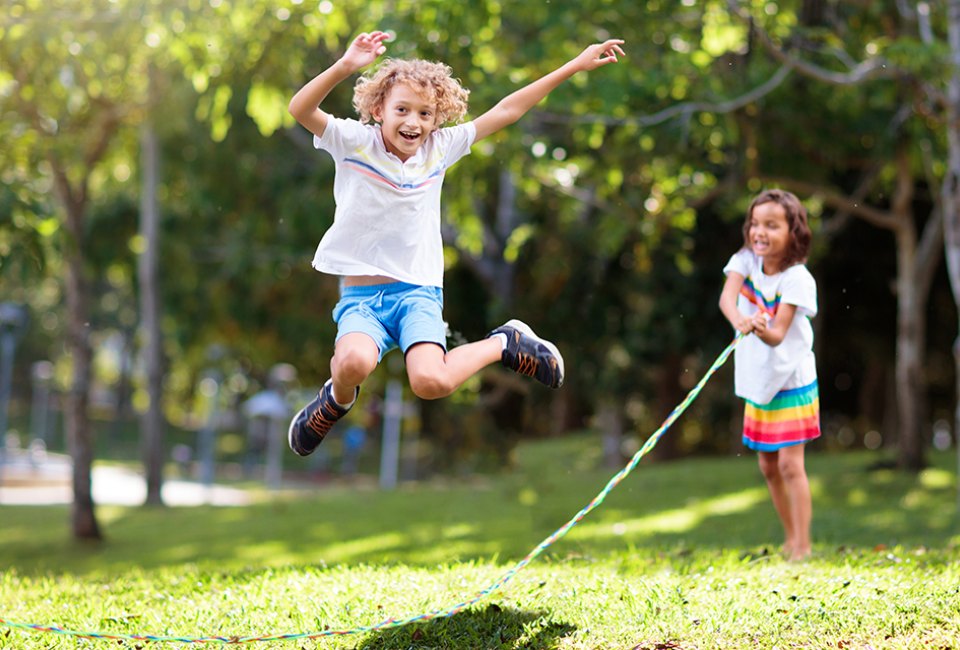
{"x": 432, "y": 80}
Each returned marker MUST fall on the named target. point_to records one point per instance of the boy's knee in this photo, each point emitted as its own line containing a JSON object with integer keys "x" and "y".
{"x": 353, "y": 363}
{"x": 426, "y": 386}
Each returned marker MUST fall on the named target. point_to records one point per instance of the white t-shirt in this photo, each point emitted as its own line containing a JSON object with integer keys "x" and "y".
{"x": 761, "y": 370}
{"x": 387, "y": 220}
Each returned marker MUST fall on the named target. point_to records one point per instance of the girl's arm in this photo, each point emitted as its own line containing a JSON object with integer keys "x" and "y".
{"x": 728, "y": 304}
{"x": 512, "y": 107}
{"x": 772, "y": 333}
{"x": 305, "y": 105}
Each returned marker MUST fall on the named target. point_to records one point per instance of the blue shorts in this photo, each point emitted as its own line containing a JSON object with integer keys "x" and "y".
{"x": 394, "y": 315}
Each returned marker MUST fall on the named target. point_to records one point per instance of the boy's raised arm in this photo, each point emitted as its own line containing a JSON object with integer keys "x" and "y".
{"x": 512, "y": 107}
{"x": 305, "y": 104}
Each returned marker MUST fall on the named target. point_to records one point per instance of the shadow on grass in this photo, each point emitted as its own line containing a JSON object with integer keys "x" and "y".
{"x": 706, "y": 504}
{"x": 491, "y": 627}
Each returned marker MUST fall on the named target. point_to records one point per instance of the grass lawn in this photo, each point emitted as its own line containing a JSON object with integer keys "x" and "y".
{"x": 681, "y": 555}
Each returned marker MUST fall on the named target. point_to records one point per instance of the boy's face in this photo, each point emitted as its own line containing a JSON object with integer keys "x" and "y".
{"x": 406, "y": 119}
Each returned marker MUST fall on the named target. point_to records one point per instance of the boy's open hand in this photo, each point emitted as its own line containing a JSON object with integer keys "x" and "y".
{"x": 365, "y": 49}
{"x": 599, "y": 54}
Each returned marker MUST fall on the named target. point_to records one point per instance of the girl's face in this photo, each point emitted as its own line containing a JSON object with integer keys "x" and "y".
{"x": 769, "y": 235}
{"x": 406, "y": 119}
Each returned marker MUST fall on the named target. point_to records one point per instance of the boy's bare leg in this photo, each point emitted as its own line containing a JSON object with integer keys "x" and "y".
{"x": 355, "y": 357}
{"x": 434, "y": 373}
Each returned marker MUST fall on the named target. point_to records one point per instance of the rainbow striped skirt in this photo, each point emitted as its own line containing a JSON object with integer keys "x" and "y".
{"x": 791, "y": 418}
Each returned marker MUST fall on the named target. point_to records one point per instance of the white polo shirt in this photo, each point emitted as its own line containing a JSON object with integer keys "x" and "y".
{"x": 761, "y": 370}
{"x": 387, "y": 220}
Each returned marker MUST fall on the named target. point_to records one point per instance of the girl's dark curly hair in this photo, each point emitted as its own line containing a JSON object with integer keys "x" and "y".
{"x": 800, "y": 235}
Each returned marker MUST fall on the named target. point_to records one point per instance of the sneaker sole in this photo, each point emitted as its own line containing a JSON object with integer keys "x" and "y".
{"x": 523, "y": 327}
{"x": 290, "y": 434}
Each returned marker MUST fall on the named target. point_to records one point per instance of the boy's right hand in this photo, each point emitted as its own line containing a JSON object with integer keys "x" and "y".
{"x": 365, "y": 49}
{"x": 599, "y": 54}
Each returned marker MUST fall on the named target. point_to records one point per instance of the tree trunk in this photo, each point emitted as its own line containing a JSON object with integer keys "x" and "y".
{"x": 951, "y": 194}
{"x": 79, "y": 434}
{"x": 152, "y": 434}
{"x": 668, "y": 395}
{"x": 956, "y": 412}
{"x": 909, "y": 362}
{"x": 506, "y": 222}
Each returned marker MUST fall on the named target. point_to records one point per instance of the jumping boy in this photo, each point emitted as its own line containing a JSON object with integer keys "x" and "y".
{"x": 385, "y": 241}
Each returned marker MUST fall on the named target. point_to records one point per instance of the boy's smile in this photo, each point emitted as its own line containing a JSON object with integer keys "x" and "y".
{"x": 406, "y": 119}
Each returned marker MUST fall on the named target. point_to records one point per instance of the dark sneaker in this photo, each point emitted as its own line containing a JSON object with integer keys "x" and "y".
{"x": 528, "y": 354}
{"x": 311, "y": 425}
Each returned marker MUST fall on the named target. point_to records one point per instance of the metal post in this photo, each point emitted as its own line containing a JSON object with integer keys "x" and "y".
{"x": 392, "y": 415}
{"x": 13, "y": 320}
{"x": 42, "y": 373}
{"x": 411, "y": 455}
{"x": 280, "y": 378}
{"x": 273, "y": 465}
{"x": 270, "y": 412}
{"x": 8, "y": 344}
{"x": 206, "y": 441}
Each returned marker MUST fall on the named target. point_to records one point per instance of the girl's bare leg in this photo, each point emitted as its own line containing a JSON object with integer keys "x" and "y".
{"x": 797, "y": 488}
{"x": 770, "y": 468}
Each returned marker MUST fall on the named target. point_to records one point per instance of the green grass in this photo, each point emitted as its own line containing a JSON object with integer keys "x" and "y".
{"x": 681, "y": 555}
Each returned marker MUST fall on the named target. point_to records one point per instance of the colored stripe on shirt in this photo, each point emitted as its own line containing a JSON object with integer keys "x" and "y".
{"x": 749, "y": 291}
{"x": 374, "y": 173}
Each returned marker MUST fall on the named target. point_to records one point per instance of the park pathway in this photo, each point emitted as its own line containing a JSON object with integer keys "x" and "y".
{"x": 29, "y": 481}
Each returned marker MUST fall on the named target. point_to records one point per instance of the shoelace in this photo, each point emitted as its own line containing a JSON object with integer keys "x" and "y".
{"x": 321, "y": 423}
{"x": 527, "y": 365}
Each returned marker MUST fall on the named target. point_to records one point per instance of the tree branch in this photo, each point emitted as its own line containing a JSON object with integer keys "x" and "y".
{"x": 842, "y": 216}
{"x": 686, "y": 109}
{"x": 838, "y": 201}
{"x": 106, "y": 129}
{"x": 873, "y": 68}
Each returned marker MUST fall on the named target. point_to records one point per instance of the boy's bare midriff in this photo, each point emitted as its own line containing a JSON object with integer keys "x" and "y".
{"x": 366, "y": 280}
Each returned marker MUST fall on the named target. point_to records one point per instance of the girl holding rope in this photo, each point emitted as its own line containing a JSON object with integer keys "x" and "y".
{"x": 770, "y": 293}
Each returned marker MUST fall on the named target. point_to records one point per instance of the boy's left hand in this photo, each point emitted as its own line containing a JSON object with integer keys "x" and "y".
{"x": 600, "y": 54}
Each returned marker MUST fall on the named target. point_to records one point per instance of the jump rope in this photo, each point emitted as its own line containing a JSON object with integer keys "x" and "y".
{"x": 444, "y": 612}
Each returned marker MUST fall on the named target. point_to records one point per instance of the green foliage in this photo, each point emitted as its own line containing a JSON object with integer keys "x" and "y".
{"x": 25, "y": 234}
